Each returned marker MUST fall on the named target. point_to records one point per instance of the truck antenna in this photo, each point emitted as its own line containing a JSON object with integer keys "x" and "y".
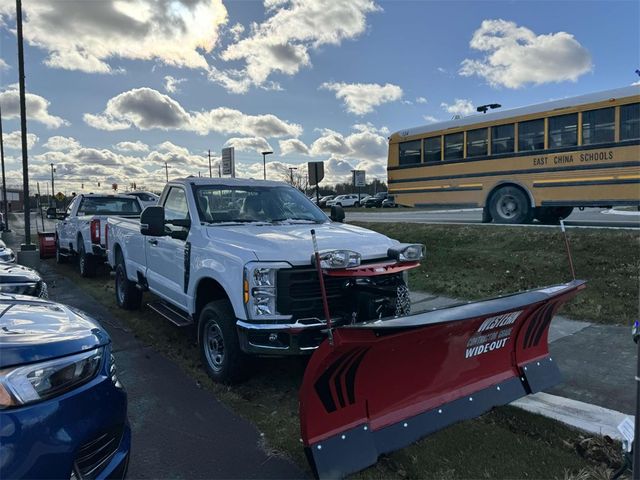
{"x": 323, "y": 292}
{"x": 566, "y": 242}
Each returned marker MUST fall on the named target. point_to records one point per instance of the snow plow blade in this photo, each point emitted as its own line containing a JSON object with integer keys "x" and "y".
{"x": 383, "y": 385}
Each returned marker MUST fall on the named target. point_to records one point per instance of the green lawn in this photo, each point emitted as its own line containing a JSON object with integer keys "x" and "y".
{"x": 472, "y": 262}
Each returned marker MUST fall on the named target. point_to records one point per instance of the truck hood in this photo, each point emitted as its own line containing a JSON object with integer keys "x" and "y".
{"x": 292, "y": 242}
{"x": 33, "y": 330}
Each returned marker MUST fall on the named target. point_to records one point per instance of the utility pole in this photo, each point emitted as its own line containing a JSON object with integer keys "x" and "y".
{"x": 4, "y": 180}
{"x": 53, "y": 187}
{"x": 166, "y": 171}
{"x": 264, "y": 163}
{"x": 210, "y": 175}
{"x": 23, "y": 131}
{"x": 291, "y": 169}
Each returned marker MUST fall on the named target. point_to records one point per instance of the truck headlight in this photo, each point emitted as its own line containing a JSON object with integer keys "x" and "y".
{"x": 260, "y": 283}
{"x": 7, "y": 256}
{"x": 331, "y": 259}
{"x": 40, "y": 381}
{"x": 407, "y": 252}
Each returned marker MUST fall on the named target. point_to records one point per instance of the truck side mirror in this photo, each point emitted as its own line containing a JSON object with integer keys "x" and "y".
{"x": 152, "y": 221}
{"x": 337, "y": 214}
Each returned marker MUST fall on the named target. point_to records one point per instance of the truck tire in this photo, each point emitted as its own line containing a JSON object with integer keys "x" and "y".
{"x": 59, "y": 257}
{"x": 128, "y": 296}
{"x": 510, "y": 205}
{"x": 219, "y": 346}
{"x": 86, "y": 262}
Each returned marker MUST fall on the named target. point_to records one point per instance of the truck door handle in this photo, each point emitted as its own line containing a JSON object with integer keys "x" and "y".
{"x": 153, "y": 242}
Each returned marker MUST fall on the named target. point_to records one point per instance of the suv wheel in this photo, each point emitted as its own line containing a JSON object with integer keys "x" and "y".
{"x": 219, "y": 345}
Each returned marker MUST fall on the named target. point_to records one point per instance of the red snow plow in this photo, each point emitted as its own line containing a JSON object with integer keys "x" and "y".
{"x": 377, "y": 386}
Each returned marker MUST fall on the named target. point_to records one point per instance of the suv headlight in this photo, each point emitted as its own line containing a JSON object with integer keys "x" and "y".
{"x": 7, "y": 256}
{"x": 407, "y": 252}
{"x": 40, "y": 381}
{"x": 259, "y": 290}
{"x": 330, "y": 259}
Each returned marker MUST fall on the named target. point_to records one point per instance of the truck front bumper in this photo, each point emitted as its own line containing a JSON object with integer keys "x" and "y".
{"x": 280, "y": 339}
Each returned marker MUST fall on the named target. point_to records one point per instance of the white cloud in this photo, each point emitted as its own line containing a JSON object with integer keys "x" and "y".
{"x": 430, "y": 118}
{"x": 13, "y": 140}
{"x": 284, "y": 41}
{"x": 61, "y": 144}
{"x": 516, "y": 56}
{"x": 146, "y": 109}
{"x": 37, "y": 108}
{"x": 460, "y": 107}
{"x": 249, "y": 144}
{"x": 293, "y": 145}
{"x": 236, "y": 31}
{"x": 421, "y": 100}
{"x": 171, "y": 84}
{"x": 136, "y": 146}
{"x": 86, "y": 35}
{"x": 4, "y": 65}
{"x": 362, "y": 98}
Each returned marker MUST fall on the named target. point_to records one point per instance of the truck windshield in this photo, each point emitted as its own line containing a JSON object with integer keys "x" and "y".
{"x": 109, "y": 206}
{"x": 225, "y": 204}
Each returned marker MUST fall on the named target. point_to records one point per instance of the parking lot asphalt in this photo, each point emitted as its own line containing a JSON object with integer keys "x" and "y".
{"x": 179, "y": 429}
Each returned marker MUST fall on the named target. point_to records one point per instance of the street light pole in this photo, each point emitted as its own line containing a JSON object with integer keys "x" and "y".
{"x": 264, "y": 163}
{"x": 53, "y": 187}
{"x": 166, "y": 171}
{"x": 4, "y": 179}
{"x": 23, "y": 131}
{"x": 210, "y": 174}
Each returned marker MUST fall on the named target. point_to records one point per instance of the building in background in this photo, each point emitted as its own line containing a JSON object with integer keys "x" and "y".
{"x": 15, "y": 199}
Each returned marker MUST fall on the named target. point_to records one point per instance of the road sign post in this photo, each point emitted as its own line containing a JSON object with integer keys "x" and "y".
{"x": 359, "y": 181}
{"x": 229, "y": 162}
{"x": 316, "y": 174}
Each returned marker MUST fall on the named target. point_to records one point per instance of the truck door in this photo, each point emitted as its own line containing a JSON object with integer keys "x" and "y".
{"x": 166, "y": 255}
{"x": 66, "y": 226}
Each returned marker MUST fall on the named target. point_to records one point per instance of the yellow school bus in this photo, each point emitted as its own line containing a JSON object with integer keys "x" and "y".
{"x": 532, "y": 162}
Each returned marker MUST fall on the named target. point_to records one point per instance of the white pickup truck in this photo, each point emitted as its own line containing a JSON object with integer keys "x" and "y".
{"x": 235, "y": 259}
{"x": 81, "y": 229}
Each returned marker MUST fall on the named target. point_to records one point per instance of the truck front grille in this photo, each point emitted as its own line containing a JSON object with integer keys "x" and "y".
{"x": 299, "y": 293}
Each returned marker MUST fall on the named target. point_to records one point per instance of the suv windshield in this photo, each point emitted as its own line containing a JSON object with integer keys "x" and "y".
{"x": 225, "y": 204}
{"x": 109, "y": 206}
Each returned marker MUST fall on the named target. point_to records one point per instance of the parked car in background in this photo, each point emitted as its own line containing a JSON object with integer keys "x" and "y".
{"x": 145, "y": 198}
{"x": 376, "y": 200}
{"x": 3, "y": 223}
{"x": 81, "y": 233}
{"x": 350, "y": 200}
{"x": 389, "y": 202}
{"x": 324, "y": 200}
{"x": 20, "y": 280}
{"x": 63, "y": 410}
{"x": 7, "y": 255}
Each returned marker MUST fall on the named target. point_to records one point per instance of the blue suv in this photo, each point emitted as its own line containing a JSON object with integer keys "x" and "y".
{"x": 63, "y": 411}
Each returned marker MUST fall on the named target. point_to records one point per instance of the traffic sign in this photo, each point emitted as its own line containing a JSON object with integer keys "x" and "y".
{"x": 228, "y": 161}
{"x": 60, "y": 196}
{"x": 316, "y": 172}
{"x": 359, "y": 178}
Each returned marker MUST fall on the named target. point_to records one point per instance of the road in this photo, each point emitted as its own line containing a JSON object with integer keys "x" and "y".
{"x": 590, "y": 217}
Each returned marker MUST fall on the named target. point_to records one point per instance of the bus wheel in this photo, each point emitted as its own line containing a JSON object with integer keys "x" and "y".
{"x": 510, "y": 205}
{"x": 552, "y": 215}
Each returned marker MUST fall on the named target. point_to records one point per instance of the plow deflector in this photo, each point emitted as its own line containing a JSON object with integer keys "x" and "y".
{"x": 383, "y": 385}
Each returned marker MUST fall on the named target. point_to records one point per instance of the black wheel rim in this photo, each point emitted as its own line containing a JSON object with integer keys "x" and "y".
{"x": 213, "y": 344}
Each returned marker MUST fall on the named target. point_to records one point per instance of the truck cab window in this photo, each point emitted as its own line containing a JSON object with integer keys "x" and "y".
{"x": 176, "y": 208}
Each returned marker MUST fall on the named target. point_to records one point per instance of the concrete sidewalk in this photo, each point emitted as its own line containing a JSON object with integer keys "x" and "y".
{"x": 179, "y": 430}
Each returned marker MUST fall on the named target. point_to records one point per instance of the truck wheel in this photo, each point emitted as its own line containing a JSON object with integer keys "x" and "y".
{"x": 59, "y": 257}
{"x": 128, "y": 296}
{"x": 86, "y": 262}
{"x": 510, "y": 205}
{"x": 219, "y": 345}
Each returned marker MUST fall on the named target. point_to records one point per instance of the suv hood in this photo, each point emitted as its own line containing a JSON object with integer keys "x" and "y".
{"x": 13, "y": 273}
{"x": 33, "y": 330}
{"x": 292, "y": 242}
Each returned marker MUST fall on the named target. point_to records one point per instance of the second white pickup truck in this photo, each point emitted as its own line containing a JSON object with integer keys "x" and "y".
{"x": 235, "y": 259}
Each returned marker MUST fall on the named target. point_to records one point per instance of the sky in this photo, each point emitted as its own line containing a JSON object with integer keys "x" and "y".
{"x": 116, "y": 88}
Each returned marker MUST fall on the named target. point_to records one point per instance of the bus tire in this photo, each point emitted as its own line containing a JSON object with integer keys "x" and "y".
{"x": 552, "y": 215}
{"x": 510, "y": 205}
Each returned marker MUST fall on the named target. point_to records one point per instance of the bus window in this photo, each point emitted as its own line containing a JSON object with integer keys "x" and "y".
{"x": 409, "y": 152}
{"x": 432, "y": 149}
{"x": 630, "y": 121}
{"x": 477, "y": 142}
{"x": 453, "y": 146}
{"x": 563, "y": 131}
{"x": 531, "y": 135}
{"x": 502, "y": 139}
{"x": 598, "y": 126}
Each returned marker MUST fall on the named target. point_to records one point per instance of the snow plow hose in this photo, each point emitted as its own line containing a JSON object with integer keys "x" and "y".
{"x": 385, "y": 384}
